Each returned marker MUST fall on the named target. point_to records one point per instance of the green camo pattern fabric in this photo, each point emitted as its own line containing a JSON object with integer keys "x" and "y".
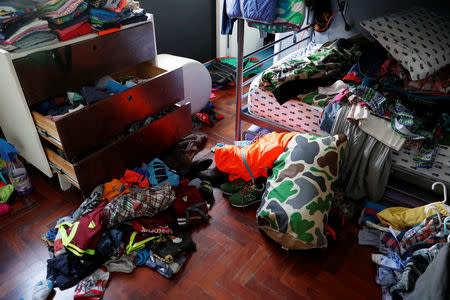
{"x": 298, "y": 196}
{"x": 327, "y": 61}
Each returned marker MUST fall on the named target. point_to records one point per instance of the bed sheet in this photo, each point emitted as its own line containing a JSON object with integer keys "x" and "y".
{"x": 294, "y": 114}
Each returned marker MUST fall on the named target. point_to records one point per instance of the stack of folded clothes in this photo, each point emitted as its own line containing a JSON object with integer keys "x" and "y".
{"x": 115, "y": 13}
{"x": 28, "y": 24}
{"x": 20, "y": 27}
{"x": 67, "y": 18}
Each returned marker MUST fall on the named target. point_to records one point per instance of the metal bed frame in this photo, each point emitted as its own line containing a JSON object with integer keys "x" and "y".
{"x": 242, "y": 113}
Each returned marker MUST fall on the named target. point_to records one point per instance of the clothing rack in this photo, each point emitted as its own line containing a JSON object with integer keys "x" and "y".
{"x": 242, "y": 113}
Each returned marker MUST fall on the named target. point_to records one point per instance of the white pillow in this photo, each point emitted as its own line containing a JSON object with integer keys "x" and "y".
{"x": 417, "y": 38}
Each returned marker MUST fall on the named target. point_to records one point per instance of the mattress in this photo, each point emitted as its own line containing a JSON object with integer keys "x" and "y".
{"x": 294, "y": 114}
{"x": 404, "y": 159}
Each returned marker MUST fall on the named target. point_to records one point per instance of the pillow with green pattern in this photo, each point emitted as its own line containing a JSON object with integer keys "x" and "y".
{"x": 295, "y": 205}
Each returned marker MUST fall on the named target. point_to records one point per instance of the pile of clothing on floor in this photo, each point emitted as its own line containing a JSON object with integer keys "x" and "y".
{"x": 28, "y": 24}
{"x": 415, "y": 260}
{"x": 141, "y": 219}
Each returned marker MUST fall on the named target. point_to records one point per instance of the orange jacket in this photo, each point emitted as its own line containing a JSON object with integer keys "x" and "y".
{"x": 258, "y": 156}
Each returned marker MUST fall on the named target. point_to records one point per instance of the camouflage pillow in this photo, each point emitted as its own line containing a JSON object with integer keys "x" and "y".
{"x": 295, "y": 205}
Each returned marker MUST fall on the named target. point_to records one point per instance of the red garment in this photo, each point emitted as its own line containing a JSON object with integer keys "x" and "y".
{"x": 134, "y": 179}
{"x": 189, "y": 205}
{"x": 259, "y": 157}
{"x": 156, "y": 224}
{"x": 74, "y": 31}
{"x": 88, "y": 231}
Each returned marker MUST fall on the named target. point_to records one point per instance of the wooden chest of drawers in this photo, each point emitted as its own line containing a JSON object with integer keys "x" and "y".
{"x": 94, "y": 140}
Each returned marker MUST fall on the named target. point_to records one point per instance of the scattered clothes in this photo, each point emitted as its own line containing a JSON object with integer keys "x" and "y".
{"x": 141, "y": 202}
{"x": 328, "y": 116}
{"x": 161, "y": 223}
{"x": 114, "y": 188}
{"x": 138, "y": 241}
{"x": 205, "y": 188}
{"x": 253, "y": 131}
{"x": 89, "y": 203}
{"x": 134, "y": 179}
{"x": 416, "y": 267}
{"x": 4, "y": 208}
{"x": 124, "y": 264}
{"x": 402, "y": 217}
{"x": 189, "y": 206}
{"x": 58, "y": 248}
{"x": 193, "y": 143}
{"x": 286, "y": 91}
{"x": 82, "y": 236}
{"x": 429, "y": 231}
{"x": 369, "y": 237}
{"x": 254, "y": 160}
{"x": 42, "y": 290}
{"x": 366, "y": 164}
{"x": 92, "y": 286}
{"x": 159, "y": 173}
{"x": 50, "y": 236}
{"x": 434, "y": 282}
{"x": 370, "y": 211}
{"x": 171, "y": 248}
{"x": 67, "y": 270}
{"x": 168, "y": 270}
{"x": 141, "y": 257}
{"x": 110, "y": 240}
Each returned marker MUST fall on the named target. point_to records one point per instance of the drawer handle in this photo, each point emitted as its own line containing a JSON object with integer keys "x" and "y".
{"x": 130, "y": 98}
{"x": 94, "y": 47}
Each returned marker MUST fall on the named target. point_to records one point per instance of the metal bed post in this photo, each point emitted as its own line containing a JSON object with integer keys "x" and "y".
{"x": 239, "y": 77}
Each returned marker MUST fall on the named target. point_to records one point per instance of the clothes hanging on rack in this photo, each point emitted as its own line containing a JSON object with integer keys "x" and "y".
{"x": 257, "y": 10}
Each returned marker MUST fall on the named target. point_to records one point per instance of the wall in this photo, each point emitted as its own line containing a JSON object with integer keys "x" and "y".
{"x": 358, "y": 10}
{"x": 184, "y": 27}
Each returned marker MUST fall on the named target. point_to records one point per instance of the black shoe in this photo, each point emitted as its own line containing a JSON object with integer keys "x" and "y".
{"x": 200, "y": 165}
{"x": 207, "y": 192}
{"x": 214, "y": 175}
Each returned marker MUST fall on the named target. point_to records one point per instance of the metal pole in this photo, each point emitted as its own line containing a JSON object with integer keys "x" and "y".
{"x": 239, "y": 77}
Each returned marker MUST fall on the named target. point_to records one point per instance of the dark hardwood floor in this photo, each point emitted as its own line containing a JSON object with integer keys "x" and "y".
{"x": 234, "y": 259}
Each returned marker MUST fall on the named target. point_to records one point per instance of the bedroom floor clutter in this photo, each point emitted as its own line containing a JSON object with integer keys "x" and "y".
{"x": 231, "y": 257}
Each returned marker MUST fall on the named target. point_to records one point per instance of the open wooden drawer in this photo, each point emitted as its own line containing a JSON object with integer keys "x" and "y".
{"x": 128, "y": 152}
{"x": 82, "y": 130}
{"x": 49, "y": 73}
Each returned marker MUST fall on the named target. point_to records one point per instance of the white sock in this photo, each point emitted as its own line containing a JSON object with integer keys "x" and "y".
{"x": 42, "y": 289}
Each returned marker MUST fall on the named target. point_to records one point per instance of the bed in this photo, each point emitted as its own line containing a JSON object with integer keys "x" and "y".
{"x": 299, "y": 116}
{"x": 292, "y": 114}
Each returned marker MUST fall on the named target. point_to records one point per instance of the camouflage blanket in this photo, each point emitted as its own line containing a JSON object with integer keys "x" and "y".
{"x": 327, "y": 61}
{"x": 298, "y": 195}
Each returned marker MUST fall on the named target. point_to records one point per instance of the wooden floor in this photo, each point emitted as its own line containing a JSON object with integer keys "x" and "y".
{"x": 234, "y": 259}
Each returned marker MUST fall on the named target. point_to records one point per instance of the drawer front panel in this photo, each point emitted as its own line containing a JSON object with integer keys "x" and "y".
{"x": 49, "y": 73}
{"x": 84, "y": 129}
{"x": 141, "y": 146}
{"x": 62, "y": 166}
